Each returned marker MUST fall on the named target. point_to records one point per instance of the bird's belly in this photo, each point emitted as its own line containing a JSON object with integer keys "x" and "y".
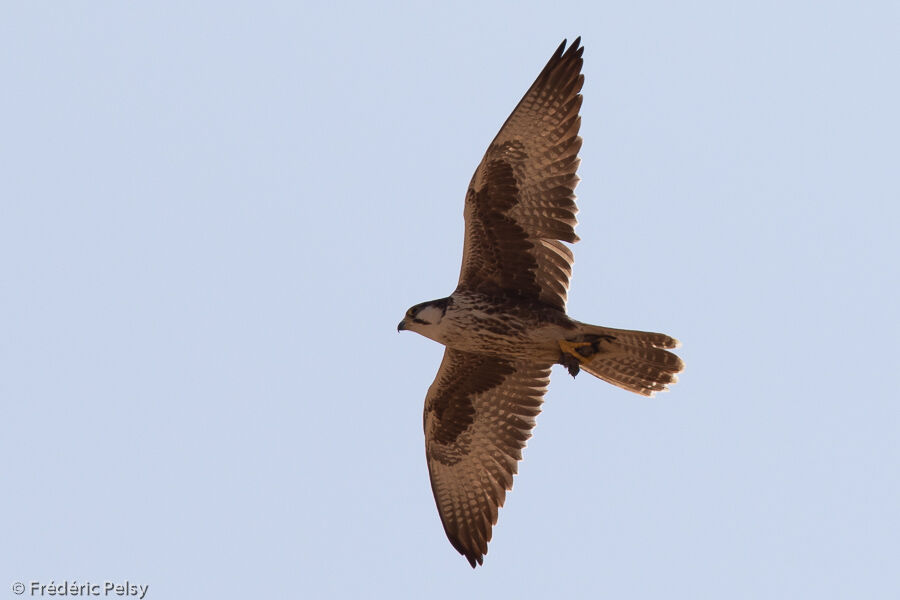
{"x": 502, "y": 335}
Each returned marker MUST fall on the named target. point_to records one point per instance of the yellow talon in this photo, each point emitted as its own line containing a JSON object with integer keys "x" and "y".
{"x": 571, "y": 348}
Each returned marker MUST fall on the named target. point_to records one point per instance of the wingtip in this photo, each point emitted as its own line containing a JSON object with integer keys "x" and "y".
{"x": 561, "y": 48}
{"x": 575, "y": 46}
{"x": 472, "y": 555}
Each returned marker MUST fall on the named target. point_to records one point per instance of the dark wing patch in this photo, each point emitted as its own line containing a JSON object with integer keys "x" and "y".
{"x": 452, "y": 408}
{"x": 479, "y": 413}
{"x": 520, "y": 206}
{"x": 500, "y": 257}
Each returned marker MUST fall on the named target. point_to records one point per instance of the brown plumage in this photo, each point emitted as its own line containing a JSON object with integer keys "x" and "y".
{"x": 505, "y": 325}
{"x": 472, "y": 460}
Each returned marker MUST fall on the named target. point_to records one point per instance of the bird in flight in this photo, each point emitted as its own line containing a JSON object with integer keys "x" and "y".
{"x": 505, "y": 325}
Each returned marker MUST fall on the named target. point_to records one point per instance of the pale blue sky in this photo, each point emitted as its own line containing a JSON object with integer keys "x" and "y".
{"x": 213, "y": 215}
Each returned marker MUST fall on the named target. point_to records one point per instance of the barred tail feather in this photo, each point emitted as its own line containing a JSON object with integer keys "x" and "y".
{"x": 633, "y": 360}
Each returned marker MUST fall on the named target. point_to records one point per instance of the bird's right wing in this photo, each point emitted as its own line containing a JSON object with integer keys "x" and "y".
{"x": 479, "y": 412}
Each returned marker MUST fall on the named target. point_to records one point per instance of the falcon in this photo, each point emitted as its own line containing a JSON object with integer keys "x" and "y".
{"x": 505, "y": 325}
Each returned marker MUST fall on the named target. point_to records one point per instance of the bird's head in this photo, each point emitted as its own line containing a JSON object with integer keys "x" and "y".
{"x": 425, "y": 318}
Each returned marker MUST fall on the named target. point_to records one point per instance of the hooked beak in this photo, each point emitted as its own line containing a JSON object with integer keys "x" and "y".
{"x": 402, "y": 325}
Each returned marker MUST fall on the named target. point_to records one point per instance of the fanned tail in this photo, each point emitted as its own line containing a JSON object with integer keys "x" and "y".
{"x": 636, "y": 361}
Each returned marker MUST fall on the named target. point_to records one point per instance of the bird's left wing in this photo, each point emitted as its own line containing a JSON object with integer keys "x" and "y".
{"x": 479, "y": 412}
{"x": 520, "y": 205}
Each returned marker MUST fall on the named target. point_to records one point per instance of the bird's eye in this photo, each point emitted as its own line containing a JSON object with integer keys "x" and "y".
{"x": 410, "y": 313}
